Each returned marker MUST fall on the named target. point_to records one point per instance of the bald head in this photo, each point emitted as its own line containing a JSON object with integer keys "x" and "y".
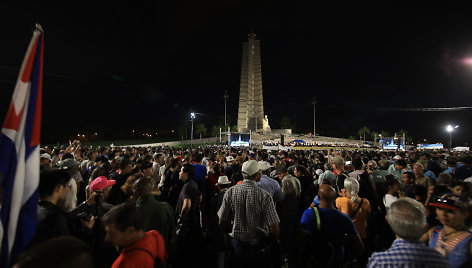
{"x": 142, "y": 187}
{"x": 327, "y": 193}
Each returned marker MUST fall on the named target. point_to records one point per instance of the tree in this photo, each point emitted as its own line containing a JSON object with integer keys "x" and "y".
{"x": 183, "y": 130}
{"x": 374, "y": 135}
{"x": 363, "y": 132}
{"x": 234, "y": 128}
{"x": 385, "y": 134}
{"x": 200, "y": 129}
{"x": 402, "y": 131}
{"x": 286, "y": 123}
{"x": 215, "y": 130}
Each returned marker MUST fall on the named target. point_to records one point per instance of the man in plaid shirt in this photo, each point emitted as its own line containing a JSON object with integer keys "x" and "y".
{"x": 407, "y": 219}
{"x": 251, "y": 212}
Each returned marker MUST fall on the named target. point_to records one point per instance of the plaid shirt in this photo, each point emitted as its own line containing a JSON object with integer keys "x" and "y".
{"x": 403, "y": 253}
{"x": 251, "y": 209}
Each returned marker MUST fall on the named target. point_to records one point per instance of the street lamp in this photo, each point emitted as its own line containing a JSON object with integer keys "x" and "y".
{"x": 225, "y": 96}
{"x": 449, "y": 129}
{"x": 314, "y": 117}
{"x": 192, "y": 117}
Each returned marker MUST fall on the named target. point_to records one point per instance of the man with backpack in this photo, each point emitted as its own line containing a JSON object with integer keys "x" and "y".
{"x": 139, "y": 248}
{"x": 325, "y": 232}
{"x": 338, "y": 170}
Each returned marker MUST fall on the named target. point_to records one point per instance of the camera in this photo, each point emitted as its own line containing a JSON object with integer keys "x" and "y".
{"x": 85, "y": 216}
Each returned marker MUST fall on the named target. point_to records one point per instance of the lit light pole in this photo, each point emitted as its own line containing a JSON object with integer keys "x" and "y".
{"x": 192, "y": 117}
{"x": 314, "y": 117}
{"x": 449, "y": 129}
{"x": 225, "y": 96}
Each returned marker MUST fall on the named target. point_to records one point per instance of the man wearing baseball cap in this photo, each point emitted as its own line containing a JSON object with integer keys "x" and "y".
{"x": 269, "y": 184}
{"x": 338, "y": 170}
{"x": 104, "y": 253}
{"x": 255, "y": 220}
{"x": 71, "y": 167}
{"x": 45, "y": 161}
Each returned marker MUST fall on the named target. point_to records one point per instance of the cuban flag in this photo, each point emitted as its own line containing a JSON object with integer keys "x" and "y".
{"x": 19, "y": 155}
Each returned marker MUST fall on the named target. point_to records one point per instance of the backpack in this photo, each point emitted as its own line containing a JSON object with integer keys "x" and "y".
{"x": 161, "y": 250}
{"x": 317, "y": 251}
{"x": 340, "y": 181}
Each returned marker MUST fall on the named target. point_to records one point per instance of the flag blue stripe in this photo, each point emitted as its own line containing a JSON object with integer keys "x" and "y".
{"x": 26, "y": 226}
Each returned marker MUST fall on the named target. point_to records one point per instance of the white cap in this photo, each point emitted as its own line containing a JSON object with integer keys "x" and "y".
{"x": 46, "y": 155}
{"x": 229, "y": 158}
{"x": 397, "y": 157}
{"x": 319, "y": 172}
{"x": 250, "y": 167}
{"x": 264, "y": 165}
{"x": 223, "y": 180}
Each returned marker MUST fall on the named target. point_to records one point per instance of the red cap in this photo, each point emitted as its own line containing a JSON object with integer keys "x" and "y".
{"x": 101, "y": 183}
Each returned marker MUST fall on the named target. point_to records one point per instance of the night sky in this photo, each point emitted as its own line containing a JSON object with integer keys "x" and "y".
{"x": 145, "y": 65}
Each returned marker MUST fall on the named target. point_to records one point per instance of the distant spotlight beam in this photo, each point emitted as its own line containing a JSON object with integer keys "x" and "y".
{"x": 467, "y": 61}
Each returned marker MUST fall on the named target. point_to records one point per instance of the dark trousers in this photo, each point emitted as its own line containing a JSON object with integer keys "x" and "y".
{"x": 246, "y": 255}
{"x": 288, "y": 233}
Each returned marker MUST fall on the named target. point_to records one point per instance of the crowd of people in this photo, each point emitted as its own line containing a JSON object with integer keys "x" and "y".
{"x": 242, "y": 207}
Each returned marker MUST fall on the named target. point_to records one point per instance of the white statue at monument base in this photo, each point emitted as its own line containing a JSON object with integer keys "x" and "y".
{"x": 265, "y": 124}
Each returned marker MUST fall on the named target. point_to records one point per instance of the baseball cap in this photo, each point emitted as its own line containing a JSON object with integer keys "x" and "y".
{"x": 250, "y": 167}
{"x": 229, "y": 158}
{"x": 101, "y": 183}
{"x": 397, "y": 157}
{"x": 46, "y": 156}
{"x": 449, "y": 201}
{"x": 222, "y": 180}
{"x": 337, "y": 160}
{"x": 319, "y": 172}
{"x": 68, "y": 163}
{"x": 264, "y": 165}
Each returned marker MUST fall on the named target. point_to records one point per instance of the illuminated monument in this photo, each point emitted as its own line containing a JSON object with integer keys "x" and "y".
{"x": 251, "y": 108}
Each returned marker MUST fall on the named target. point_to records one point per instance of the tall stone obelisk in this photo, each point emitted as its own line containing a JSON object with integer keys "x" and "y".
{"x": 251, "y": 108}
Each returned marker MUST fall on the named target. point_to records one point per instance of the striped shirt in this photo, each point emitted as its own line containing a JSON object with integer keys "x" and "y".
{"x": 404, "y": 253}
{"x": 251, "y": 210}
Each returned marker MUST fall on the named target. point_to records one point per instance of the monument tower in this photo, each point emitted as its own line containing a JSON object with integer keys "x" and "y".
{"x": 251, "y": 108}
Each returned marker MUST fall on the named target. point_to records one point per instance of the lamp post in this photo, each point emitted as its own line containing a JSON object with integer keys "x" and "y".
{"x": 225, "y": 96}
{"x": 192, "y": 117}
{"x": 449, "y": 129}
{"x": 314, "y": 117}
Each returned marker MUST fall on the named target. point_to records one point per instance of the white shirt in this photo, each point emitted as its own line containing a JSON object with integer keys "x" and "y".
{"x": 388, "y": 200}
